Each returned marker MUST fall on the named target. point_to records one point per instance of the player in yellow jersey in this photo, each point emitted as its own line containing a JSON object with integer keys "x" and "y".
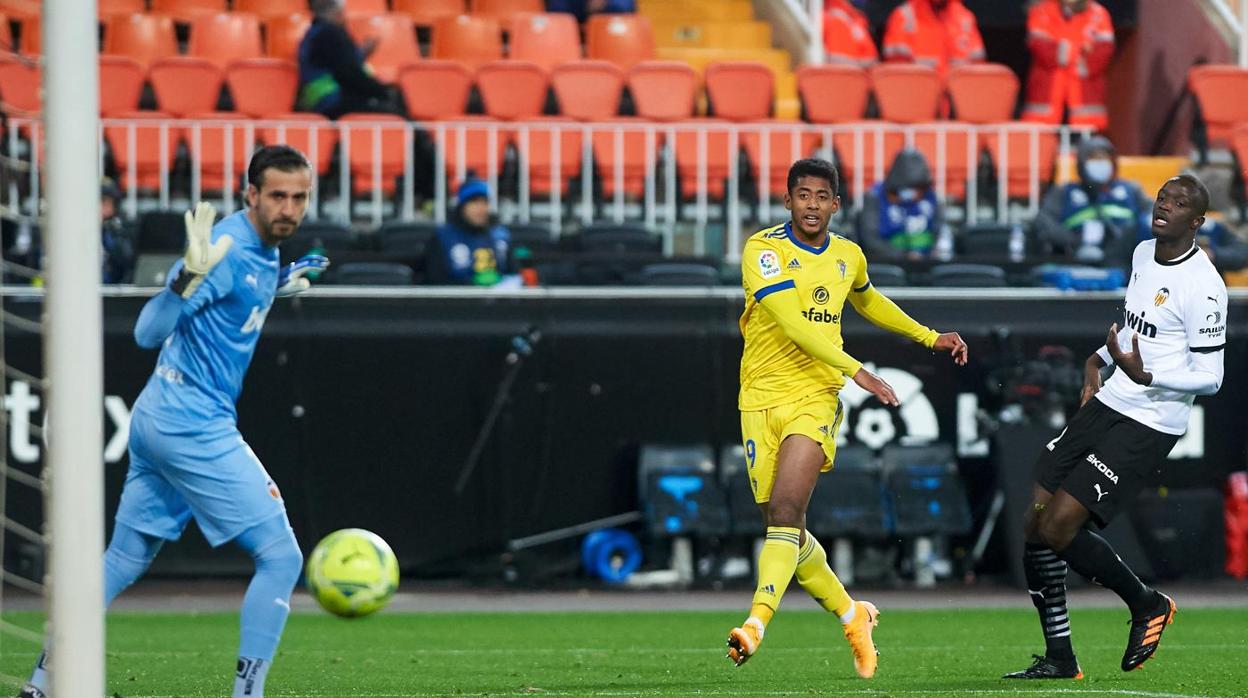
{"x": 797, "y": 277}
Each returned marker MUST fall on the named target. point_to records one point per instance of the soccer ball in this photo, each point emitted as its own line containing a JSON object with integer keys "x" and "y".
{"x": 352, "y": 573}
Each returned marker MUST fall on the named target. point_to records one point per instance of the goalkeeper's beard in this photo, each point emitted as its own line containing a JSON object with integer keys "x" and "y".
{"x": 279, "y": 230}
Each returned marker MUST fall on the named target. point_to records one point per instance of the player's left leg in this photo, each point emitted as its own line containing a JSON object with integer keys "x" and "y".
{"x": 267, "y": 603}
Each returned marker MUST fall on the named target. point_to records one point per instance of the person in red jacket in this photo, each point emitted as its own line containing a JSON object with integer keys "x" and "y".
{"x": 1071, "y": 43}
{"x": 847, "y": 35}
{"x": 938, "y": 33}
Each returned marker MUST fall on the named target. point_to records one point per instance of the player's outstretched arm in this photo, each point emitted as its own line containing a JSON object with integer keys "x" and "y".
{"x": 882, "y": 312}
{"x": 293, "y": 279}
{"x": 202, "y": 254}
{"x": 158, "y": 319}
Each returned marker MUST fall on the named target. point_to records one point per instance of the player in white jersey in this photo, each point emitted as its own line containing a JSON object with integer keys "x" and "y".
{"x": 1174, "y": 333}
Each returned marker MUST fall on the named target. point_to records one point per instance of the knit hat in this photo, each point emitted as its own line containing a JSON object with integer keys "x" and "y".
{"x": 471, "y": 189}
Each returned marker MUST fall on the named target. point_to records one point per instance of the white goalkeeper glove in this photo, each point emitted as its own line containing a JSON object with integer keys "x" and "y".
{"x": 292, "y": 278}
{"x": 202, "y": 254}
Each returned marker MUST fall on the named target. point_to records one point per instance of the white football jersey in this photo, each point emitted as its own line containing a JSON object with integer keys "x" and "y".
{"x": 1177, "y": 308}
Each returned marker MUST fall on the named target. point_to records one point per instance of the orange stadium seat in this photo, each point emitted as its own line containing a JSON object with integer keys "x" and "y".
{"x": 435, "y": 89}
{"x": 396, "y": 42}
{"x": 1019, "y": 161}
{"x": 1220, "y": 90}
{"x": 31, "y": 42}
{"x": 108, "y": 8}
{"x": 186, "y": 85}
{"x": 956, "y": 162}
{"x": 718, "y": 157}
{"x": 699, "y": 34}
{"x": 20, "y": 85}
{"x": 878, "y": 150}
{"x": 631, "y": 144}
{"x": 663, "y": 90}
{"x": 225, "y": 37}
{"x": 268, "y": 9}
{"x": 512, "y": 89}
{"x": 144, "y": 128}
{"x": 283, "y": 34}
{"x": 425, "y": 13}
{"x": 625, "y": 40}
{"x": 1239, "y": 145}
{"x": 19, "y": 10}
{"x": 209, "y": 154}
{"x": 121, "y": 84}
{"x": 540, "y": 159}
{"x": 906, "y": 93}
{"x": 546, "y": 39}
{"x": 143, "y": 37}
{"x": 784, "y": 146}
{"x": 740, "y": 90}
{"x": 706, "y": 10}
{"x": 301, "y": 130}
{"x": 367, "y": 131}
{"x": 982, "y": 93}
{"x": 833, "y": 93}
{"x": 503, "y": 10}
{"x": 262, "y": 87}
{"x": 588, "y": 90}
{"x": 477, "y": 155}
{"x": 187, "y": 11}
{"x": 467, "y": 39}
{"x": 366, "y": 7}
{"x": 6, "y": 34}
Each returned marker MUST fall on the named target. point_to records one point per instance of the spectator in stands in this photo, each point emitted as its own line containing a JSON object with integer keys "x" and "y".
{"x": 333, "y": 79}
{"x": 1225, "y": 248}
{"x": 117, "y": 252}
{"x": 901, "y": 217}
{"x": 583, "y": 8}
{"x": 1071, "y": 44}
{"x": 470, "y": 248}
{"x": 847, "y": 35}
{"x": 937, "y": 33}
{"x": 1099, "y": 218}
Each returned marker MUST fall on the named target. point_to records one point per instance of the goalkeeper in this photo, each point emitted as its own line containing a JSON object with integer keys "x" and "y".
{"x": 187, "y": 457}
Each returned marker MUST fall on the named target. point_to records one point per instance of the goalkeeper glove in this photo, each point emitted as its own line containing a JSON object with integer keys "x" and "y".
{"x": 291, "y": 280}
{"x": 202, "y": 254}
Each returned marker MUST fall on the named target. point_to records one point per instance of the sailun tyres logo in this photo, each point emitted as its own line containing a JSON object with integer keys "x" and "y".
{"x": 1099, "y": 465}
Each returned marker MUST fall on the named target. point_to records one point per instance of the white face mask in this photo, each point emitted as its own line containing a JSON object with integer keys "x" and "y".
{"x": 1099, "y": 171}
{"x": 908, "y": 194}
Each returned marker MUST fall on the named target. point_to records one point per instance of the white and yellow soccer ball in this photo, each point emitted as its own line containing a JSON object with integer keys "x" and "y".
{"x": 352, "y": 573}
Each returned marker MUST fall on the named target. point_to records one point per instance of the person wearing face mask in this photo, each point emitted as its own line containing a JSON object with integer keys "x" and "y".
{"x": 1098, "y": 219}
{"x": 936, "y": 33}
{"x": 470, "y": 249}
{"x": 901, "y": 216}
{"x": 1071, "y": 44}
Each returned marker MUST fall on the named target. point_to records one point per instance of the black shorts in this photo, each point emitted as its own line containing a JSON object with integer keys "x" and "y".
{"x": 1101, "y": 459}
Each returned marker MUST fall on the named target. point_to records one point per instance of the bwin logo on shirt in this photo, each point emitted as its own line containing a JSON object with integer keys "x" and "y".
{"x": 1096, "y": 463}
{"x": 1137, "y": 323}
{"x": 255, "y": 321}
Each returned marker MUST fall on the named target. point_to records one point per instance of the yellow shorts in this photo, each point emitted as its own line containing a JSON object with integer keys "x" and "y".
{"x": 815, "y": 416}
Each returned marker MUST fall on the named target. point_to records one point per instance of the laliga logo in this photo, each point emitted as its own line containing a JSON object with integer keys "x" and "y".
{"x": 873, "y": 425}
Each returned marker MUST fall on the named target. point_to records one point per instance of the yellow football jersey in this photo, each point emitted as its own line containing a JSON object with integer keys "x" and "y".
{"x": 774, "y": 370}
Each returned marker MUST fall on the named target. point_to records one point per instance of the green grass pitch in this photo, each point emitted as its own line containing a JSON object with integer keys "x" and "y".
{"x": 923, "y": 653}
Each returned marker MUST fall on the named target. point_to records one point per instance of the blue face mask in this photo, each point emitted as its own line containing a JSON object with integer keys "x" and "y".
{"x": 1099, "y": 171}
{"x": 908, "y": 194}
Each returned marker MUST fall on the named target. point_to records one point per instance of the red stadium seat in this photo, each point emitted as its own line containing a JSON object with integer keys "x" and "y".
{"x": 262, "y": 87}
{"x": 740, "y": 90}
{"x": 982, "y": 93}
{"x": 143, "y": 37}
{"x": 878, "y": 150}
{"x": 186, "y": 85}
{"x": 396, "y": 42}
{"x": 477, "y": 155}
{"x": 19, "y": 10}
{"x": 906, "y": 93}
{"x": 217, "y": 133}
{"x": 20, "y": 86}
{"x": 955, "y": 161}
{"x": 32, "y": 37}
{"x": 546, "y": 39}
{"x": 1220, "y": 90}
{"x": 121, "y": 85}
{"x": 109, "y": 8}
{"x": 283, "y": 35}
{"x": 435, "y": 89}
{"x": 1239, "y": 145}
{"x": 225, "y": 37}
{"x": 270, "y": 9}
{"x": 504, "y": 10}
{"x": 632, "y": 157}
{"x": 187, "y": 11}
{"x": 1019, "y": 161}
{"x": 300, "y": 130}
{"x": 425, "y": 13}
{"x": 718, "y": 157}
{"x": 141, "y": 134}
{"x": 784, "y": 146}
{"x": 588, "y": 90}
{"x": 541, "y": 161}
{"x": 380, "y": 132}
{"x": 366, "y": 7}
{"x": 625, "y": 40}
{"x": 6, "y": 34}
{"x": 467, "y": 39}
{"x": 512, "y": 89}
{"x": 664, "y": 90}
{"x": 833, "y": 93}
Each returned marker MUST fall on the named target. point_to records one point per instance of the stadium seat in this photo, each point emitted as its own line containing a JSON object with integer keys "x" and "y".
{"x": 409, "y": 238}
{"x": 982, "y": 93}
{"x": 31, "y": 42}
{"x": 143, "y": 37}
{"x": 477, "y": 156}
{"x": 396, "y": 42}
{"x": 926, "y": 494}
{"x": 632, "y": 157}
{"x": 834, "y": 93}
{"x": 153, "y": 269}
{"x": 375, "y": 132}
{"x": 625, "y": 40}
{"x": 283, "y": 34}
{"x": 618, "y": 238}
{"x": 906, "y": 93}
{"x": 784, "y": 146}
{"x": 1220, "y": 90}
{"x": 700, "y": 34}
{"x": 161, "y": 232}
{"x": 967, "y": 276}
{"x": 218, "y": 131}
{"x": 6, "y": 34}
{"x": 870, "y": 148}
{"x": 121, "y": 85}
{"x": 545, "y": 39}
{"x": 366, "y": 7}
{"x": 225, "y": 37}
{"x": 373, "y": 274}
{"x": 588, "y": 90}
{"x": 887, "y": 276}
{"x": 541, "y": 160}
{"x": 1018, "y": 160}
{"x": 982, "y": 239}
{"x": 718, "y": 157}
{"x": 425, "y": 13}
{"x": 949, "y": 156}
{"x": 434, "y": 90}
{"x": 740, "y": 90}
{"x": 512, "y": 90}
{"x": 663, "y": 90}
{"x": 706, "y": 10}
{"x": 186, "y": 85}
{"x": 20, "y": 86}
{"x": 187, "y": 11}
{"x": 143, "y": 135}
{"x": 300, "y": 130}
{"x": 328, "y": 235}
{"x": 1239, "y": 146}
{"x": 271, "y": 9}
{"x": 679, "y": 274}
{"x": 504, "y": 10}
{"x": 470, "y": 40}
{"x": 108, "y": 9}
{"x": 262, "y": 87}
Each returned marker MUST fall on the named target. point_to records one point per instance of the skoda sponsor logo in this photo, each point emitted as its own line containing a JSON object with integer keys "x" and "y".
{"x": 1096, "y": 463}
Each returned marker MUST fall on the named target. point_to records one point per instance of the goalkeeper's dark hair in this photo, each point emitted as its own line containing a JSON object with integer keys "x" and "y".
{"x": 1200, "y": 193}
{"x": 281, "y": 157}
{"x": 813, "y": 167}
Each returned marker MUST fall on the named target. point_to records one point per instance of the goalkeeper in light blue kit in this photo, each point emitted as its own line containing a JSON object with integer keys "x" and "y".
{"x": 187, "y": 457}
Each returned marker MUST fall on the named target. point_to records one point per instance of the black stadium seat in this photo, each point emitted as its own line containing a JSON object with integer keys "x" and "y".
{"x": 373, "y": 274}
{"x": 679, "y": 274}
{"x": 968, "y": 276}
{"x": 887, "y": 275}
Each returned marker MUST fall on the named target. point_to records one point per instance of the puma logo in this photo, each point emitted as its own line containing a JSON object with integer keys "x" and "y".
{"x": 1099, "y": 493}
